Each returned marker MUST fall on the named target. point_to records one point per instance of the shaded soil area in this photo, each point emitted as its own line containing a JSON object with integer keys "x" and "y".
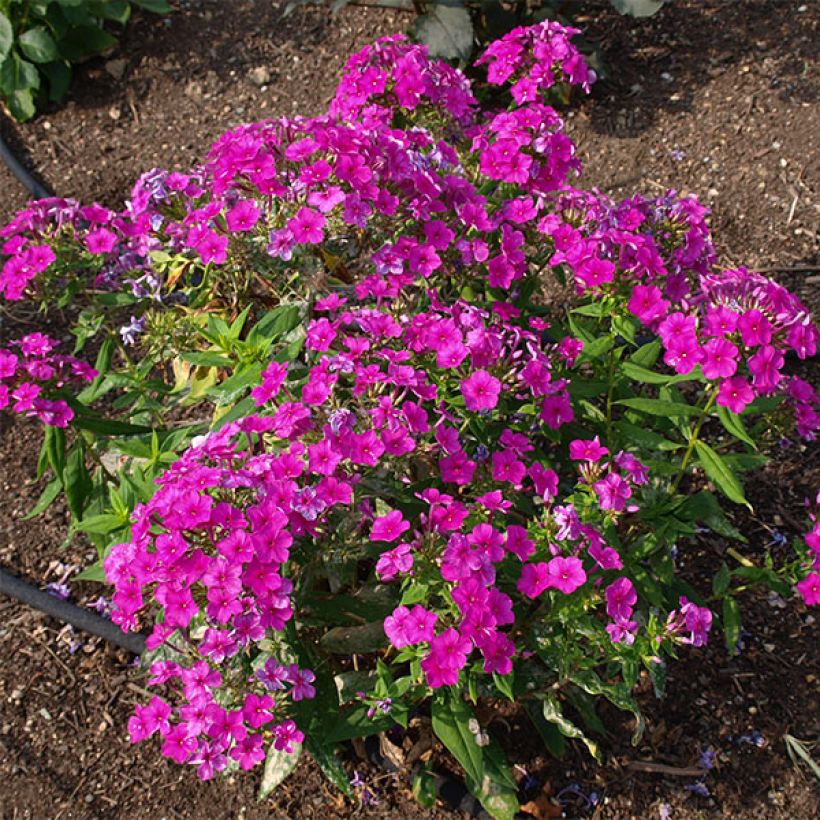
{"x": 711, "y": 97}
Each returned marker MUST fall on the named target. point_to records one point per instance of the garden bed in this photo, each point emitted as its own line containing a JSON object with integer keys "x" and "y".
{"x": 740, "y": 96}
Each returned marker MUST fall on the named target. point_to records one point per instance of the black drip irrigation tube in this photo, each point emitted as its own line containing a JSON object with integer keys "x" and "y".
{"x": 80, "y": 618}
{"x": 35, "y": 187}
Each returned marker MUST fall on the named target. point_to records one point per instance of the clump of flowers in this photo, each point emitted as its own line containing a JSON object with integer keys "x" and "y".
{"x": 30, "y": 372}
{"x": 208, "y": 549}
{"x": 435, "y": 475}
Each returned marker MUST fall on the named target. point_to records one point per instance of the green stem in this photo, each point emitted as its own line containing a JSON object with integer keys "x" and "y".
{"x": 693, "y": 437}
{"x": 609, "y": 395}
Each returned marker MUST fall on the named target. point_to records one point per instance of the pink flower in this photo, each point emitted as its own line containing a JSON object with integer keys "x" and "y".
{"x": 407, "y": 627}
{"x": 320, "y": 335}
{"x": 497, "y": 650}
{"x": 566, "y": 574}
{"x": 594, "y": 272}
{"x": 535, "y": 578}
{"x": 557, "y": 410}
{"x": 389, "y": 527}
{"x": 682, "y": 353}
{"x": 212, "y": 247}
{"x": 735, "y": 394}
{"x": 518, "y": 542}
{"x": 698, "y": 622}
{"x": 809, "y": 588}
{"x": 301, "y": 680}
{"x": 397, "y": 561}
{"x": 506, "y": 467}
{"x": 307, "y": 226}
{"x": 755, "y": 329}
{"x": 457, "y": 468}
{"x": 179, "y": 745}
{"x": 613, "y": 492}
{"x": 620, "y": 599}
{"x": 248, "y": 751}
{"x": 257, "y": 710}
{"x": 480, "y": 391}
{"x": 587, "y": 450}
{"x": 647, "y": 303}
{"x": 765, "y": 368}
{"x": 100, "y": 240}
{"x": 719, "y": 357}
{"x": 720, "y": 321}
{"x": 243, "y": 216}
{"x": 286, "y": 736}
{"x": 323, "y": 458}
{"x": 448, "y": 655}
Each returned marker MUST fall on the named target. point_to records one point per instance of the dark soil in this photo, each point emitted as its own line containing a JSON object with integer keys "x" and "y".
{"x": 713, "y": 97}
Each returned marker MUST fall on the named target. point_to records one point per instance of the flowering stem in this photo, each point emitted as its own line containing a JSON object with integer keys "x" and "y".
{"x": 693, "y": 437}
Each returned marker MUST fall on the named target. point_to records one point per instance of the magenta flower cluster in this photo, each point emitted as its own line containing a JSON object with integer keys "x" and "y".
{"x": 31, "y": 371}
{"x": 209, "y": 550}
{"x": 427, "y": 434}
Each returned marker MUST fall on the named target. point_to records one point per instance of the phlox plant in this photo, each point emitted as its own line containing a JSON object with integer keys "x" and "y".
{"x": 347, "y": 460}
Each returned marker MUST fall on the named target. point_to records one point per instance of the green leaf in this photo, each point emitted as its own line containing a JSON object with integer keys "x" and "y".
{"x": 798, "y": 749}
{"x": 357, "y": 723}
{"x": 101, "y": 524}
{"x": 551, "y": 709}
{"x": 646, "y": 355}
{"x": 278, "y": 765}
{"x": 446, "y": 30}
{"x": 103, "y": 363}
{"x": 581, "y": 331}
{"x": 95, "y": 572}
{"x": 17, "y": 74}
{"x": 762, "y": 404}
{"x": 731, "y": 624}
{"x": 659, "y": 407}
{"x": 424, "y": 786}
{"x": 552, "y": 737}
{"x": 487, "y": 775}
{"x": 277, "y": 322}
{"x": 38, "y": 45}
{"x": 618, "y": 694}
{"x": 720, "y": 583}
{"x": 720, "y": 473}
{"x": 645, "y": 437}
{"x": 594, "y": 309}
{"x": 596, "y": 348}
{"x": 584, "y": 705}
{"x": 155, "y": 6}
{"x": 327, "y": 760}
{"x": 47, "y": 498}
{"x": 734, "y": 426}
{"x": 238, "y": 411}
{"x": 21, "y": 104}
{"x": 234, "y": 386}
{"x": 6, "y": 36}
{"x": 85, "y": 40}
{"x": 643, "y": 374}
{"x": 76, "y": 480}
{"x": 704, "y": 507}
{"x": 206, "y": 358}
{"x": 108, "y": 427}
{"x": 54, "y": 445}
{"x": 117, "y": 10}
